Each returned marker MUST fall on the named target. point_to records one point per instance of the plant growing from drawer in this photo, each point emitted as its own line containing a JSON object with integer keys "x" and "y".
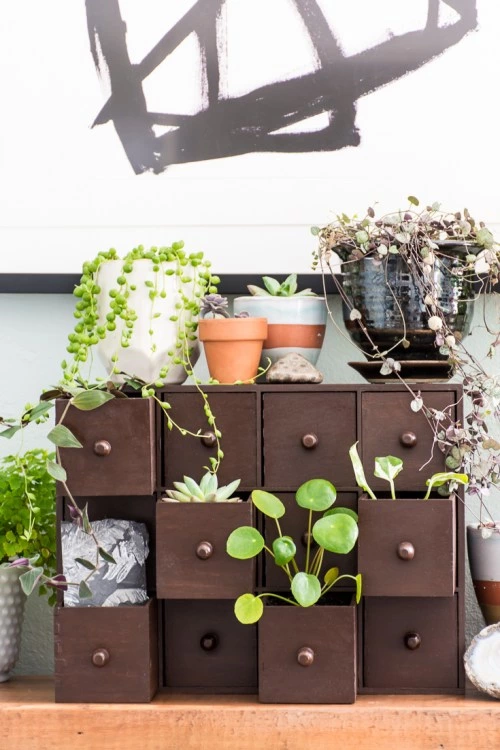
{"x": 388, "y": 468}
{"x": 207, "y": 491}
{"x": 336, "y": 531}
{"x": 406, "y": 548}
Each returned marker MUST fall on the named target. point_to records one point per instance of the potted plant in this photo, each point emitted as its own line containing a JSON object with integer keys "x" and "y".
{"x": 296, "y": 319}
{"x": 140, "y": 311}
{"x": 414, "y": 553}
{"x": 233, "y": 346}
{"x": 430, "y": 265}
{"x": 306, "y": 653}
{"x": 27, "y": 544}
{"x": 407, "y": 278}
{"x": 190, "y": 541}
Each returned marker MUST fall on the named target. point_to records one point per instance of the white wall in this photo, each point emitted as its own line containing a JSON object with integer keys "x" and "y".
{"x": 67, "y": 189}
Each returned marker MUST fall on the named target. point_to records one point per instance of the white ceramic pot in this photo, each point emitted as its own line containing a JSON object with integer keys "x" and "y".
{"x": 484, "y": 562}
{"x": 295, "y": 324}
{"x": 147, "y": 353}
{"x": 12, "y": 601}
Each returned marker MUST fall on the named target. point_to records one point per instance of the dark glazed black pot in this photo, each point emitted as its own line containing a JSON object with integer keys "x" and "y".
{"x": 378, "y": 289}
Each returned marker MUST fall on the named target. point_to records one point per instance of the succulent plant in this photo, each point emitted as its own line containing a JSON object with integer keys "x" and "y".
{"x": 216, "y": 304}
{"x": 274, "y": 289}
{"x": 207, "y": 491}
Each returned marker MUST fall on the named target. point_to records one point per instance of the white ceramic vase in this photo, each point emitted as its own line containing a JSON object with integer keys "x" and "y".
{"x": 12, "y": 599}
{"x": 154, "y": 334}
{"x": 484, "y": 563}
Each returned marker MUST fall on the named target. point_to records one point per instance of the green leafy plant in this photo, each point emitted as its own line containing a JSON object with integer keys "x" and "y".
{"x": 336, "y": 531}
{"x": 388, "y": 468}
{"x": 424, "y": 238}
{"x": 273, "y": 288}
{"x": 27, "y": 518}
{"x": 207, "y": 491}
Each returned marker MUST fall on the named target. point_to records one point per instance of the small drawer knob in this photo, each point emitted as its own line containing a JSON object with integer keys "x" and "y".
{"x": 406, "y": 551}
{"x": 305, "y": 538}
{"x": 209, "y": 642}
{"x": 412, "y": 641}
{"x": 305, "y": 656}
{"x": 408, "y": 439}
{"x": 204, "y": 550}
{"x": 310, "y": 440}
{"x": 100, "y": 657}
{"x": 208, "y": 439}
{"x": 102, "y": 448}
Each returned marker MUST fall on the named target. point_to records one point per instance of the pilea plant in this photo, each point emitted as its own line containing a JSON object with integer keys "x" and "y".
{"x": 273, "y": 288}
{"x": 428, "y": 240}
{"x": 207, "y": 491}
{"x": 336, "y": 531}
{"x": 388, "y": 468}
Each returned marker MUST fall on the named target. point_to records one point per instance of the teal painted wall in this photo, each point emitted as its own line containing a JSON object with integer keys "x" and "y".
{"x": 32, "y": 344}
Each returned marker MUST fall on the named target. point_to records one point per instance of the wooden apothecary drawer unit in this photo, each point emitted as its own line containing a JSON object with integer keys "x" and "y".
{"x": 410, "y": 623}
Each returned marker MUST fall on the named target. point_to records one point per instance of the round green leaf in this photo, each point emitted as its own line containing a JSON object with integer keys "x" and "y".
{"x": 244, "y": 543}
{"x": 316, "y": 494}
{"x": 284, "y": 550}
{"x": 347, "y": 511}
{"x": 331, "y": 575}
{"x": 306, "y": 589}
{"x": 248, "y": 609}
{"x": 337, "y": 533}
{"x": 268, "y": 504}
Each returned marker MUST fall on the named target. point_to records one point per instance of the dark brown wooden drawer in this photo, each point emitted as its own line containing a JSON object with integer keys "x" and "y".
{"x": 410, "y": 643}
{"x": 118, "y": 454}
{"x": 207, "y": 650}
{"x": 328, "y": 633}
{"x": 407, "y": 547}
{"x": 236, "y": 418}
{"x": 294, "y": 524}
{"x": 106, "y": 654}
{"x": 390, "y": 427}
{"x": 191, "y": 557}
{"x": 308, "y": 435}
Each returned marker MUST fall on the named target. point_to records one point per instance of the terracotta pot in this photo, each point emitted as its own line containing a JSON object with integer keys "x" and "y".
{"x": 484, "y": 562}
{"x": 308, "y": 655}
{"x": 233, "y": 347}
{"x": 295, "y": 324}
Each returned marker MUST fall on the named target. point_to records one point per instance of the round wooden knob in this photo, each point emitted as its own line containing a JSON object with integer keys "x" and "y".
{"x": 408, "y": 439}
{"x": 412, "y": 641}
{"x": 102, "y": 448}
{"x": 310, "y": 440}
{"x": 406, "y": 551}
{"x": 208, "y": 439}
{"x": 305, "y": 538}
{"x": 204, "y": 550}
{"x": 209, "y": 642}
{"x": 305, "y": 656}
{"x": 100, "y": 657}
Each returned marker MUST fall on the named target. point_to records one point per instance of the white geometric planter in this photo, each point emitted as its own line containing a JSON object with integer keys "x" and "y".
{"x": 147, "y": 352}
{"x": 12, "y": 601}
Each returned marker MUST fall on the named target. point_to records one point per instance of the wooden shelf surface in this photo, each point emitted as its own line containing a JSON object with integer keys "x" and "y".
{"x": 31, "y": 720}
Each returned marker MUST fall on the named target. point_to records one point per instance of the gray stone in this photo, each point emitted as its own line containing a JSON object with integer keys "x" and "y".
{"x": 293, "y": 368}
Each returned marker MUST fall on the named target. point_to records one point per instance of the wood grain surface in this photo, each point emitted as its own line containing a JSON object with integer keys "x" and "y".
{"x": 31, "y": 720}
